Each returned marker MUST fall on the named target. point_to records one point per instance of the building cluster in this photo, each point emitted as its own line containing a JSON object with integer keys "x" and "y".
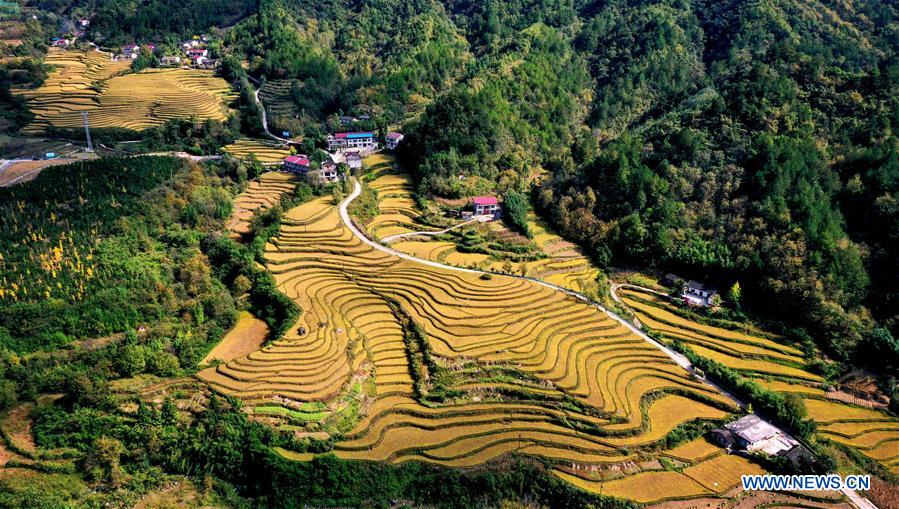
{"x": 69, "y": 38}
{"x": 356, "y": 141}
{"x": 752, "y": 434}
{"x": 132, "y": 51}
{"x": 193, "y": 53}
{"x": 300, "y": 164}
{"x": 349, "y": 147}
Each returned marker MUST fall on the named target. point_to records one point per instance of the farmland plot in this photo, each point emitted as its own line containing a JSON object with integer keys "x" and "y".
{"x": 564, "y": 265}
{"x": 266, "y": 152}
{"x": 504, "y": 364}
{"x": 91, "y": 82}
{"x": 778, "y": 367}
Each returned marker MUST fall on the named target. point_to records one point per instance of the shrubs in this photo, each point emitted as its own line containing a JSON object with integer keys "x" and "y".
{"x": 516, "y": 212}
{"x": 787, "y": 410}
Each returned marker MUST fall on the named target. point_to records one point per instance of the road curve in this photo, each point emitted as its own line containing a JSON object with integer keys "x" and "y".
{"x": 860, "y": 501}
{"x": 345, "y": 217}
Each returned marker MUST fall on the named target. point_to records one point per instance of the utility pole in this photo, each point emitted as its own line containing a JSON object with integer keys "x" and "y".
{"x": 87, "y": 132}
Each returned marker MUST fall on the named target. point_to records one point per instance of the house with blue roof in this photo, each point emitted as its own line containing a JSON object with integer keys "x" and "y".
{"x": 362, "y": 141}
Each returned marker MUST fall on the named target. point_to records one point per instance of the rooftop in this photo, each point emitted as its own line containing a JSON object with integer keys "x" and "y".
{"x": 394, "y": 135}
{"x": 696, "y": 285}
{"x": 302, "y": 161}
{"x": 354, "y": 135}
{"x": 752, "y": 429}
{"x": 484, "y": 200}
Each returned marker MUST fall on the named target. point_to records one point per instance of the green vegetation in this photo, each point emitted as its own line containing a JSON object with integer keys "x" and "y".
{"x": 515, "y": 208}
{"x": 787, "y": 410}
{"x": 119, "y": 22}
{"x": 744, "y": 141}
{"x": 130, "y": 256}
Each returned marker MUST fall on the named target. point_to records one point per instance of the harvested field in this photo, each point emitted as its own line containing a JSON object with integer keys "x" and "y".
{"x": 358, "y": 304}
{"x": 693, "y": 450}
{"x": 245, "y": 338}
{"x": 91, "y": 82}
{"x": 722, "y": 472}
{"x": 261, "y": 194}
{"x": 644, "y": 487}
{"x": 267, "y": 152}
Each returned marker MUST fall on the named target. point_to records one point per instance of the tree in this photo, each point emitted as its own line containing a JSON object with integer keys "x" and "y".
{"x": 516, "y": 212}
{"x": 735, "y": 294}
{"x": 103, "y": 461}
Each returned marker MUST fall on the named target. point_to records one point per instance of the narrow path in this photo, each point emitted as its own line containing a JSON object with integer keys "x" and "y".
{"x": 388, "y": 240}
{"x": 858, "y": 500}
{"x": 265, "y": 118}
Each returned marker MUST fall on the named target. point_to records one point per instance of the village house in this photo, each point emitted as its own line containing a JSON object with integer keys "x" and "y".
{"x": 698, "y": 294}
{"x": 325, "y": 175}
{"x": 131, "y": 51}
{"x": 486, "y": 206}
{"x": 186, "y": 45}
{"x": 174, "y": 60}
{"x": 84, "y": 22}
{"x": 393, "y": 140}
{"x": 59, "y": 42}
{"x": 296, "y": 164}
{"x": 351, "y": 141}
{"x": 753, "y": 434}
{"x": 354, "y": 160}
{"x": 198, "y": 52}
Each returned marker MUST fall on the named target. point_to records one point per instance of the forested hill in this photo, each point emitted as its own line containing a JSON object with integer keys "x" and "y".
{"x": 738, "y": 140}
{"x": 747, "y": 141}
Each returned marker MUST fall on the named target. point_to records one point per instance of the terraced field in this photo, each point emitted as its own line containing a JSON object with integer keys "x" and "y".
{"x": 772, "y": 363}
{"x": 565, "y": 264}
{"x": 262, "y": 193}
{"x": 267, "y": 152}
{"x": 90, "y": 81}
{"x": 503, "y": 364}
{"x": 276, "y": 96}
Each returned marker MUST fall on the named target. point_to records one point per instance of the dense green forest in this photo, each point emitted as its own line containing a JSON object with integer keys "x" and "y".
{"x": 129, "y": 256}
{"x": 745, "y": 141}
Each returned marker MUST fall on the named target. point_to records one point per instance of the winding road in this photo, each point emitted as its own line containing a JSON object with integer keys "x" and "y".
{"x": 859, "y": 501}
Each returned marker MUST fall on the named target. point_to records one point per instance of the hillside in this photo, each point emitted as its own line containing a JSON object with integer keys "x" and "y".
{"x": 197, "y": 330}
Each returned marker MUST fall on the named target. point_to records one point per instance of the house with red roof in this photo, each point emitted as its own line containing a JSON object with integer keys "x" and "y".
{"x": 296, "y": 164}
{"x": 393, "y": 140}
{"x": 486, "y": 206}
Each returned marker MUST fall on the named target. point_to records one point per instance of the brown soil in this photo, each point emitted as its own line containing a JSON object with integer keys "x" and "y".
{"x": 245, "y": 338}
{"x": 17, "y": 425}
